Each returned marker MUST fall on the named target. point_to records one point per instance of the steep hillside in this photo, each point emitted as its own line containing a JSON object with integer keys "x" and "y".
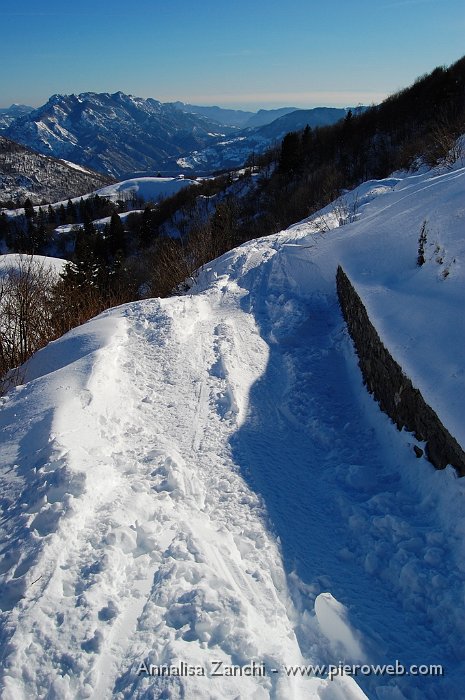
{"x": 204, "y": 478}
{"x": 299, "y": 119}
{"x": 27, "y": 174}
{"x": 418, "y": 125}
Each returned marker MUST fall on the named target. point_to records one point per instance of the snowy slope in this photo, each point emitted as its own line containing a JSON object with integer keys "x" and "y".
{"x": 150, "y": 189}
{"x": 418, "y": 311}
{"x": 13, "y": 261}
{"x": 140, "y": 538}
{"x": 204, "y": 478}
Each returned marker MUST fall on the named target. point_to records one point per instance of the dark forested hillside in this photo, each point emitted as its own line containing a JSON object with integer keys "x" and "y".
{"x": 25, "y": 174}
{"x": 313, "y": 166}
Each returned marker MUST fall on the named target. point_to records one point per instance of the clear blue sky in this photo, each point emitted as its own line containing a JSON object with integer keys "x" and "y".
{"x": 243, "y": 54}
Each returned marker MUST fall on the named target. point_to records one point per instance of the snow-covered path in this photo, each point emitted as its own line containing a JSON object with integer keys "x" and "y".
{"x": 204, "y": 478}
{"x": 160, "y": 553}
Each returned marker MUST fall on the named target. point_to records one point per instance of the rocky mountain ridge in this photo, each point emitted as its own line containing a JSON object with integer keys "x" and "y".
{"x": 122, "y": 135}
{"x": 116, "y": 134}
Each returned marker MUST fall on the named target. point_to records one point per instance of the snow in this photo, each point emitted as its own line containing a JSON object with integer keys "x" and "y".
{"x": 75, "y": 166}
{"x": 332, "y": 619}
{"x": 99, "y": 223}
{"x": 148, "y": 188}
{"x": 418, "y": 311}
{"x": 12, "y": 261}
{"x": 204, "y": 478}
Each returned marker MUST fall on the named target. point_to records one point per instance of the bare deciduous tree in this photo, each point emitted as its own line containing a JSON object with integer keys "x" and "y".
{"x": 25, "y": 312}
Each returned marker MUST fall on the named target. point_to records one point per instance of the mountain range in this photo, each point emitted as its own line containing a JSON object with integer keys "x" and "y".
{"x": 115, "y": 134}
{"x": 9, "y": 114}
{"x": 236, "y": 117}
{"x": 121, "y": 135}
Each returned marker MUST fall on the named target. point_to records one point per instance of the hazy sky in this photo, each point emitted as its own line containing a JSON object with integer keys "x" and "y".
{"x": 239, "y": 53}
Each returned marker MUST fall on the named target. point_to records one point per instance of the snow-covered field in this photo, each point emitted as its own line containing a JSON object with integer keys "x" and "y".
{"x": 150, "y": 189}
{"x": 15, "y": 261}
{"x": 204, "y": 478}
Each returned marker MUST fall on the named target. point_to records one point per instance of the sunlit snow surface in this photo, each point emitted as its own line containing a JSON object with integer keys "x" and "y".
{"x": 148, "y": 188}
{"x": 17, "y": 261}
{"x": 205, "y": 478}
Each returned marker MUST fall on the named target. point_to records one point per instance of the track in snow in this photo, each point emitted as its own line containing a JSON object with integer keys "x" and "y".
{"x": 209, "y": 426}
{"x": 346, "y": 521}
{"x": 164, "y": 556}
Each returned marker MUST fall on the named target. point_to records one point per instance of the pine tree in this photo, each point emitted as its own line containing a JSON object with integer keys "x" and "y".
{"x": 291, "y": 153}
{"x": 84, "y": 269}
{"x": 115, "y": 236}
{"x": 52, "y": 217}
{"x": 62, "y": 214}
{"x": 29, "y": 210}
{"x": 71, "y": 213}
{"x": 4, "y": 226}
{"x": 307, "y": 139}
{"x": 146, "y": 230}
{"x": 348, "y": 119}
